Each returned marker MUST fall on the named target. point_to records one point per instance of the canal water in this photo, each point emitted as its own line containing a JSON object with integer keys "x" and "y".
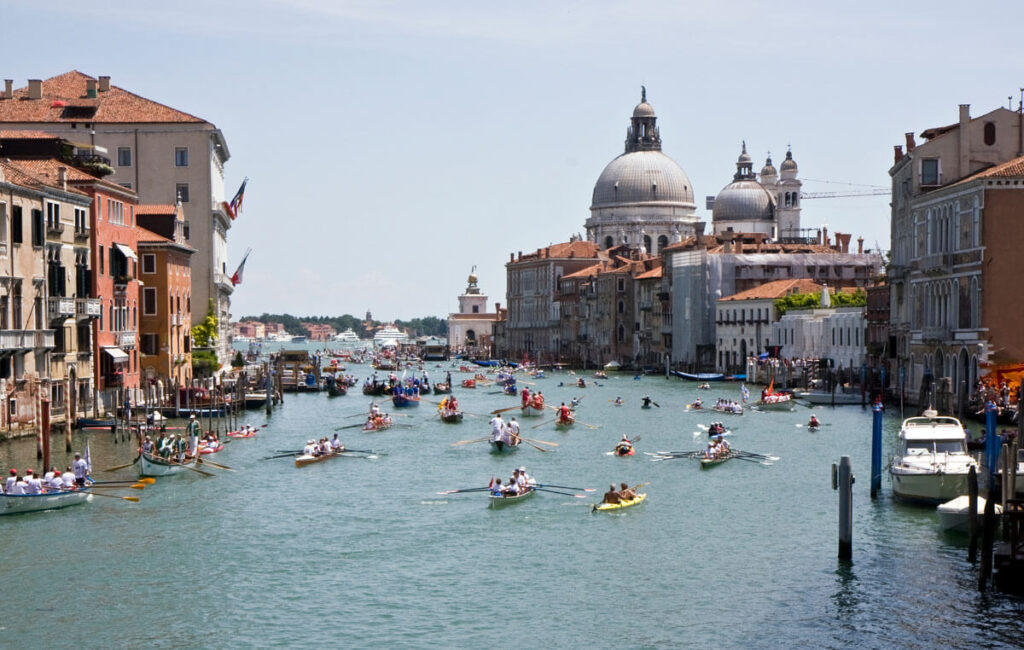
{"x": 365, "y": 553}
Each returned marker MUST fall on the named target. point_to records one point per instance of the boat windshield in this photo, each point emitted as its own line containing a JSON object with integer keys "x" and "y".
{"x": 919, "y": 447}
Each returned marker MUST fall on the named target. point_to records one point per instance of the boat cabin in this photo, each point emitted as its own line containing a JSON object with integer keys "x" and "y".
{"x": 932, "y": 435}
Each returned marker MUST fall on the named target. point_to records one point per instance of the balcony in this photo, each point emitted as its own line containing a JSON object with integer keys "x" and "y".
{"x": 87, "y": 307}
{"x": 12, "y": 339}
{"x": 41, "y": 339}
{"x": 126, "y": 339}
{"x": 57, "y": 308}
{"x": 936, "y": 262}
{"x": 81, "y": 234}
{"x": 223, "y": 282}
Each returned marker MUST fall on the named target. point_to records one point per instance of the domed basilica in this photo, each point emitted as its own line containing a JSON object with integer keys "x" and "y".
{"x": 643, "y": 197}
{"x": 769, "y": 205}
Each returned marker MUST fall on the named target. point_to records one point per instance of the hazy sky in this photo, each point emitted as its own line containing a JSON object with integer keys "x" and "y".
{"x": 391, "y": 146}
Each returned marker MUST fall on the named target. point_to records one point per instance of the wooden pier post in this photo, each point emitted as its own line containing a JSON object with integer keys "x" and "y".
{"x": 972, "y": 514}
{"x": 44, "y": 427}
{"x": 876, "y": 451}
{"x": 842, "y": 480}
{"x": 988, "y": 535}
{"x": 69, "y": 413}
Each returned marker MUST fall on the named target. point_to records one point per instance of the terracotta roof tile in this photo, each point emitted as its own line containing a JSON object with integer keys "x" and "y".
{"x": 574, "y": 249}
{"x": 775, "y": 289}
{"x": 37, "y": 174}
{"x": 156, "y": 208}
{"x": 1009, "y": 169}
{"x": 653, "y": 273}
{"x": 28, "y": 134}
{"x": 46, "y": 170}
{"x": 587, "y": 272}
{"x": 64, "y": 100}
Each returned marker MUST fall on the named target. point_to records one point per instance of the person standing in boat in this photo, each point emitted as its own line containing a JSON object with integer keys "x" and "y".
{"x": 513, "y": 431}
{"x": 497, "y": 429}
{"x": 564, "y": 413}
{"x": 193, "y": 435}
{"x": 526, "y": 396}
{"x": 81, "y": 470}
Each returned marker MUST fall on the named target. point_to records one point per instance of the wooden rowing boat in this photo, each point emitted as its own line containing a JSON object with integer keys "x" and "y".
{"x": 564, "y": 424}
{"x": 11, "y": 504}
{"x": 156, "y": 466}
{"x": 502, "y": 447}
{"x": 400, "y": 400}
{"x": 708, "y": 463}
{"x": 302, "y": 461}
{"x": 503, "y": 501}
{"x": 602, "y": 507}
{"x": 451, "y": 417}
{"x": 717, "y": 409}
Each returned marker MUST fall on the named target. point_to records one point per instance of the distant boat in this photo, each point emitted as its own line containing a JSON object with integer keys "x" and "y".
{"x": 389, "y": 335}
{"x": 299, "y": 339}
{"x": 699, "y": 376}
{"x": 348, "y": 336}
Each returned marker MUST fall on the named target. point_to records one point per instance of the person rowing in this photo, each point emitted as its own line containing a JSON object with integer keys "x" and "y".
{"x": 612, "y": 495}
{"x": 574, "y": 402}
{"x": 564, "y": 413}
{"x": 512, "y": 487}
{"x": 627, "y": 493}
{"x": 513, "y": 431}
{"x": 697, "y": 403}
{"x": 716, "y": 429}
{"x": 336, "y": 446}
{"x": 814, "y": 423}
{"x": 497, "y": 488}
{"x": 646, "y": 402}
{"x": 625, "y": 446}
{"x": 309, "y": 449}
{"x": 581, "y": 382}
{"x": 618, "y": 401}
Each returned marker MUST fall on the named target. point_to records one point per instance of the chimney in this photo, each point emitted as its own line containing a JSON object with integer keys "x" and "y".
{"x": 910, "y": 141}
{"x": 497, "y": 308}
{"x": 846, "y": 242}
{"x": 698, "y": 229}
{"x": 105, "y": 84}
{"x": 62, "y": 177}
{"x": 90, "y": 88}
{"x": 35, "y": 88}
{"x": 860, "y": 245}
{"x": 511, "y": 257}
{"x": 897, "y": 153}
{"x": 8, "y": 88}
{"x": 965, "y": 141}
{"x": 824, "y": 236}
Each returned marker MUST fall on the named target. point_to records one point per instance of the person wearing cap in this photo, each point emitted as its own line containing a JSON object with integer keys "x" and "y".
{"x": 81, "y": 470}
{"x": 626, "y": 493}
{"x": 18, "y": 486}
{"x": 309, "y": 448}
{"x": 32, "y": 484}
{"x": 11, "y": 480}
{"x": 193, "y": 435}
{"x": 612, "y": 495}
{"x": 55, "y": 484}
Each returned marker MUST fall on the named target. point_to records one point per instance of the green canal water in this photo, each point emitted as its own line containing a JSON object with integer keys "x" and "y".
{"x": 364, "y": 553}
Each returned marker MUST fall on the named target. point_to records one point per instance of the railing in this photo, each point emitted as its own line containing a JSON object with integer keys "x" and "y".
{"x": 88, "y": 307}
{"x": 55, "y": 228}
{"x": 58, "y": 307}
{"x": 81, "y": 234}
{"x": 223, "y": 279}
{"x": 41, "y": 339}
{"x": 936, "y": 261}
{"x": 126, "y": 339}
{"x": 12, "y": 339}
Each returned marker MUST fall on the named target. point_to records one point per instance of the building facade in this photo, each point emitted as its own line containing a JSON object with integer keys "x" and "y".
{"x": 471, "y": 329}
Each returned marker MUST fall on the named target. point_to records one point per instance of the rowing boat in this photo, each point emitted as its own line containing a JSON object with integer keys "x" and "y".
{"x": 155, "y": 466}
{"x": 624, "y": 451}
{"x": 507, "y": 500}
{"x": 385, "y": 424}
{"x": 11, "y": 504}
{"x": 302, "y": 461}
{"x": 564, "y": 424}
{"x": 500, "y": 447}
{"x": 241, "y": 434}
{"x": 708, "y": 463}
{"x": 399, "y": 400}
{"x": 621, "y": 504}
{"x": 727, "y": 411}
{"x": 531, "y": 411}
{"x": 451, "y": 417}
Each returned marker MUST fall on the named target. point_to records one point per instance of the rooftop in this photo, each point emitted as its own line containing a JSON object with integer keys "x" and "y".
{"x": 776, "y": 289}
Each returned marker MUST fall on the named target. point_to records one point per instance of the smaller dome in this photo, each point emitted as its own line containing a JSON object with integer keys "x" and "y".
{"x": 769, "y": 168}
{"x": 744, "y": 156}
{"x": 788, "y": 164}
{"x": 643, "y": 109}
{"x": 743, "y": 200}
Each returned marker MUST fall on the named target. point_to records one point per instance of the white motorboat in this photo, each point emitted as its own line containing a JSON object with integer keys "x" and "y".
{"x": 932, "y": 462}
{"x": 389, "y": 336}
{"x": 953, "y": 514}
{"x": 348, "y": 336}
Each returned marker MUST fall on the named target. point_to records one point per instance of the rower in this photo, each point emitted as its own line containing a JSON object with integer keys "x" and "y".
{"x": 193, "y": 435}
{"x": 81, "y": 470}
{"x": 32, "y": 484}
{"x": 513, "y": 430}
{"x": 697, "y": 403}
{"x": 814, "y": 423}
{"x": 624, "y": 446}
{"x": 309, "y": 449}
{"x": 611, "y": 496}
{"x": 496, "y": 488}
{"x": 55, "y": 484}
{"x": 453, "y": 403}
{"x": 11, "y": 480}
{"x": 574, "y": 402}
{"x": 564, "y": 413}
{"x": 627, "y": 493}
{"x": 147, "y": 446}
{"x": 646, "y": 401}
{"x": 618, "y": 401}
{"x": 521, "y": 480}
{"x": 336, "y": 445}
{"x": 17, "y": 486}
{"x": 526, "y": 396}
{"x": 511, "y": 487}
{"x": 582, "y": 383}
{"x": 68, "y": 478}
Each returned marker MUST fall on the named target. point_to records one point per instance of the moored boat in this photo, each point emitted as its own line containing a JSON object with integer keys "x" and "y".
{"x": 255, "y": 400}
{"x": 155, "y": 466}
{"x": 11, "y": 504}
{"x": 955, "y": 513}
{"x": 507, "y": 500}
{"x": 931, "y": 463}
{"x": 621, "y": 504}
{"x": 95, "y": 423}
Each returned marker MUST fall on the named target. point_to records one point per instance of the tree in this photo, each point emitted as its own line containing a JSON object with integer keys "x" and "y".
{"x": 205, "y": 333}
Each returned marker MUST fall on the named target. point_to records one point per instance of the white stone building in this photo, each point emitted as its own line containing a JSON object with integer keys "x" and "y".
{"x": 837, "y": 334}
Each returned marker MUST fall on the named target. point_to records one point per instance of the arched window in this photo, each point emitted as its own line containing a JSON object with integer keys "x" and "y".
{"x": 622, "y": 307}
{"x": 470, "y": 336}
{"x": 609, "y": 242}
{"x": 796, "y": 197}
{"x": 789, "y": 201}
{"x": 990, "y": 133}
{"x": 662, "y": 242}
{"x": 647, "y": 243}
{"x": 622, "y": 333}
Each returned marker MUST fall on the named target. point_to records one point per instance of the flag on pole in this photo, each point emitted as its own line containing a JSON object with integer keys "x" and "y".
{"x": 88, "y": 460}
{"x": 235, "y": 206}
{"x": 236, "y": 279}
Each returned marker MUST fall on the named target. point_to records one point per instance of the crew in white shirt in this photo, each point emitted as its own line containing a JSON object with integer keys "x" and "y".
{"x": 336, "y": 444}
{"x": 81, "y": 470}
{"x": 309, "y": 449}
{"x": 68, "y": 478}
{"x": 32, "y": 484}
{"x": 497, "y": 428}
{"x": 11, "y": 480}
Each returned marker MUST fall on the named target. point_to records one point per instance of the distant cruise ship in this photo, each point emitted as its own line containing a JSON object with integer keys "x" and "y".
{"x": 348, "y": 336}
{"x": 389, "y": 333}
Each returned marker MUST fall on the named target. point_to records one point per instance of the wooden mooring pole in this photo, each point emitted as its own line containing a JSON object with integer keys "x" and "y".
{"x": 972, "y": 514}
{"x": 44, "y": 419}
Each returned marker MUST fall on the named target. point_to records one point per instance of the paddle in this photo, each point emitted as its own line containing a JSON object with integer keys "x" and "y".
{"x": 113, "y": 496}
{"x": 362, "y": 451}
{"x": 217, "y": 465}
{"x": 114, "y": 469}
{"x": 467, "y": 442}
{"x": 542, "y": 424}
{"x": 134, "y": 486}
{"x": 542, "y": 442}
{"x": 568, "y": 494}
{"x": 565, "y": 487}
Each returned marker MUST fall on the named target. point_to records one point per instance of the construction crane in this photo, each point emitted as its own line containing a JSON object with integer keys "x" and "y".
{"x": 869, "y": 190}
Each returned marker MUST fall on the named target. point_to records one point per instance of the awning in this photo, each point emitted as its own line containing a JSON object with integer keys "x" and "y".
{"x": 117, "y": 355}
{"x": 127, "y": 252}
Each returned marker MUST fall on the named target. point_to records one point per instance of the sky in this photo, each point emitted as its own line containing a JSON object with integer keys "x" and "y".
{"x": 391, "y": 146}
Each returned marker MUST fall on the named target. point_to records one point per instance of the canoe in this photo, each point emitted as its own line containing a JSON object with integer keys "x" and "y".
{"x": 11, "y": 504}
{"x": 302, "y": 461}
{"x": 500, "y": 447}
{"x": 156, "y": 466}
{"x": 618, "y": 452}
{"x": 502, "y": 501}
{"x": 620, "y": 505}
{"x": 708, "y": 463}
{"x": 210, "y": 450}
{"x": 469, "y": 383}
{"x": 240, "y": 434}
{"x": 400, "y": 400}
{"x": 452, "y": 418}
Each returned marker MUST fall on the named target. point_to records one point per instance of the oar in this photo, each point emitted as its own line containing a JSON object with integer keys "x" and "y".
{"x": 147, "y": 480}
{"x": 281, "y": 455}
{"x": 363, "y": 451}
{"x": 114, "y": 469}
{"x": 134, "y": 486}
{"x": 589, "y": 426}
{"x": 350, "y": 426}
{"x": 170, "y": 462}
{"x": 535, "y": 446}
{"x": 505, "y": 409}
{"x": 537, "y": 425}
{"x": 217, "y": 465}
{"x": 568, "y": 494}
{"x": 541, "y": 442}
{"x": 465, "y": 490}
{"x": 566, "y": 487}
{"x": 466, "y": 442}
{"x": 113, "y": 496}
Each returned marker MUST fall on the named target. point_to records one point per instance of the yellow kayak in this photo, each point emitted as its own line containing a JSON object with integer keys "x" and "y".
{"x": 623, "y": 504}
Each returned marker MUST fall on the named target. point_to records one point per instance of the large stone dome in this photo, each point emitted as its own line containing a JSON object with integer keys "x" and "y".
{"x": 642, "y": 177}
{"x": 744, "y": 200}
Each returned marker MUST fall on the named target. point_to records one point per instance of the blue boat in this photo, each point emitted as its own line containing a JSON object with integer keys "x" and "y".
{"x": 400, "y": 399}
{"x": 95, "y": 423}
{"x": 699, "y": 376}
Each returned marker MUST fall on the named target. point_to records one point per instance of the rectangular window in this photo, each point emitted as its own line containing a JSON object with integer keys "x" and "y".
{"x": 124, "y": 157}
{"x": 149, "y": 263}
{"x": 52, "y": 215}
{"x": 150, "y": 344}
{"x": 186, "y": 230}
{"x": 38, "y": 228}
{"x": 16, "y": 227}
{"x": 180, "y": 157}
{"x": 930, "y": 171}
{"x": 181, "y": 191}
{"x": 101, "y": 260}
{"x": 149, "y": 301}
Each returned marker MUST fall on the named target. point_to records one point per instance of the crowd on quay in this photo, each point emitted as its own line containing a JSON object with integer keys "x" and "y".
{"x": 73, "y": 477}
{"x": 1000, "y": 393}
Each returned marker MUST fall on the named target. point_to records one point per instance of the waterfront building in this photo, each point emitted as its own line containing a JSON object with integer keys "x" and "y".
{"x": 878, "y": 344}
{"x": 471, "y": 329}
{"x": 252, "y": 329}
{"x": 162, "y": 154}
{"x": 642, "y": 197}
{"x": 319, "y": 331}
{"x": 833, "y": 333}
{"x": 532, "y": 326}
{"x": 956, "y": 235}
{"x": 165, "y": 333}
{"x": 744, "y": 320}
